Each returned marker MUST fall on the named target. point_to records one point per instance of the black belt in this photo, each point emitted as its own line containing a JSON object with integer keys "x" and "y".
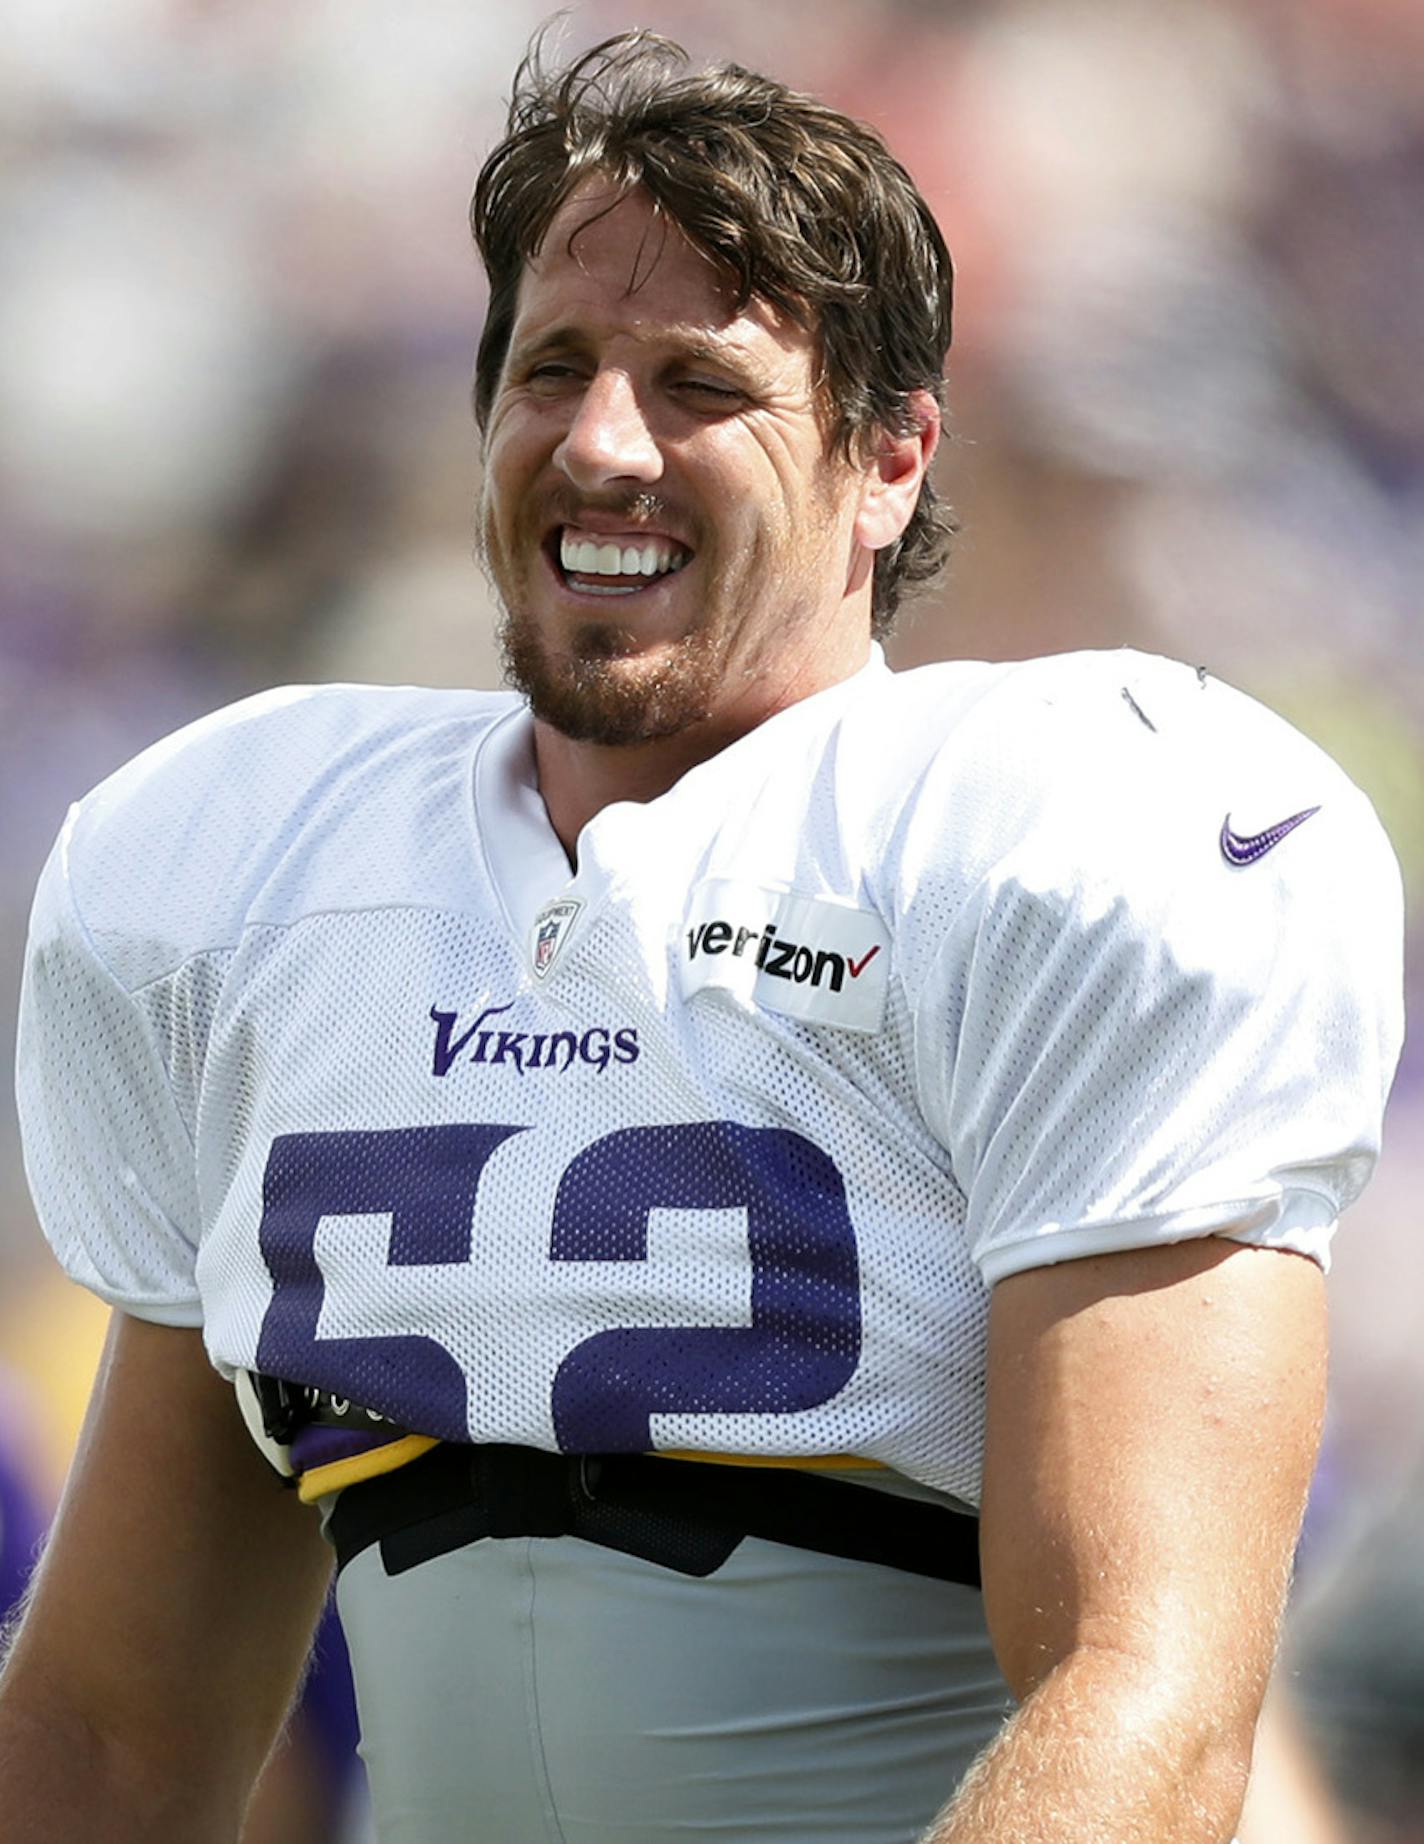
{"x": 683, "y": 1514}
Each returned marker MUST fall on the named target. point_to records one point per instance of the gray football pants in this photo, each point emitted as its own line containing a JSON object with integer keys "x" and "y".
{"x": 539, "y": 1690}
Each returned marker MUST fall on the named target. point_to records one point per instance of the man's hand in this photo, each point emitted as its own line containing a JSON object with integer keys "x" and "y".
{"x": 169, "y": 1619}
{"x": 1153, "y": 1419}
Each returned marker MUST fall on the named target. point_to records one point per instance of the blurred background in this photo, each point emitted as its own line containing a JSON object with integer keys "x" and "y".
{"x": 238, "y": 309}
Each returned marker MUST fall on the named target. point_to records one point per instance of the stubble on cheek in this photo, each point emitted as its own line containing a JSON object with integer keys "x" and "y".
{"x": 595, "y": 680}
{"x": 489, "y": 551}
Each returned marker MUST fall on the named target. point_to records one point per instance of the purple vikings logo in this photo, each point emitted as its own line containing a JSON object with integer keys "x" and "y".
{"x": 597, "y": 1047}
{"x": 551, "y": 930}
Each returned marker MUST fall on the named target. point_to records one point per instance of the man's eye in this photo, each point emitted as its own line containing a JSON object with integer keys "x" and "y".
{"x": 707, "y": 388}
{"x": 550, "y": 372}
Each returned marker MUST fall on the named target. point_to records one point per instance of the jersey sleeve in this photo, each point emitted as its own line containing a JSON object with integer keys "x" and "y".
{"x": 1134, "y": 1035}
{"x": 108, "y": 1157}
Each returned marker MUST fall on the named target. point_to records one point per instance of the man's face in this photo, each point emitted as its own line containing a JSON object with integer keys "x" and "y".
{"x": 670, "y": 539}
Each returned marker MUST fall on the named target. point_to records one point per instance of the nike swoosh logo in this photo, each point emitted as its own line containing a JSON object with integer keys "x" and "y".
{"x": 1246, "y": 848}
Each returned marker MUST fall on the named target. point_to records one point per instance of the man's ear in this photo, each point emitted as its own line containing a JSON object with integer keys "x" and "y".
{"x": 894, "y": 474}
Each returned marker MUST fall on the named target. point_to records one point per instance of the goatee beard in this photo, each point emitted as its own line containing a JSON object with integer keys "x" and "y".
{"x": 599, "y": 693}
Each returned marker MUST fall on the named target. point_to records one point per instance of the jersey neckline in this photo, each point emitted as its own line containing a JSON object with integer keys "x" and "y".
{"x": 525, "y": 861}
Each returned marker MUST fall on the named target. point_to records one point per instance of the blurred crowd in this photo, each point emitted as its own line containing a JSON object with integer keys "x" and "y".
{"x": 238, "y": 309}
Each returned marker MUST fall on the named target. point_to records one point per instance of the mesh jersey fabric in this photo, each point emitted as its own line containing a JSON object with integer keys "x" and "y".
{"x": 932, "y": 977}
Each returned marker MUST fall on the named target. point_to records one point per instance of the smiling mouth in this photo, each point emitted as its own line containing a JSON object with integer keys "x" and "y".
{"x": 614, "y": 563}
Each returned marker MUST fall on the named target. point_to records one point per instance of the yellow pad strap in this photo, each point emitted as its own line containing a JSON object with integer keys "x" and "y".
{"x": 337, "y": 1474}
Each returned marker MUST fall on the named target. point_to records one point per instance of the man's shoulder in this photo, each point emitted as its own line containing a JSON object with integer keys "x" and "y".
{"x": 281, "y": 737}
{"x": 1070, "y": 725}
{"x": 947, "y": 703}
{"x": 1111, "y": 778}
{"x": 1040, "y": 694}
{"x": 172, "y": 846}
{"x": 979, "y": 747}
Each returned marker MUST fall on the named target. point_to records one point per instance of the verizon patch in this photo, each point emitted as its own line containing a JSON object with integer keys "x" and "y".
{"x": 802, "y": 956}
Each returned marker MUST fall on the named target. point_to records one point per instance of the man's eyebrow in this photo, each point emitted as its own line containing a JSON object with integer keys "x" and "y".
{"x": 553, "y": 339}
{"x": 724, "y": 355}
{"x": 709, "y": 352}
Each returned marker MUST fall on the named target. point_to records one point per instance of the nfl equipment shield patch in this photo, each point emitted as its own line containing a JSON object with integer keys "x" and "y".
{"x": 551, "y": 931}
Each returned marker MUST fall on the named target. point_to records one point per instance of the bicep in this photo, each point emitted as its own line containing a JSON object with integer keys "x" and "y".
{"x": 1152, "y": 1423}
{"x": 176, "y": 1600}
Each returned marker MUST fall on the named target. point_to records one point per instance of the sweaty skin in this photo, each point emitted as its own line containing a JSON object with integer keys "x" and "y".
{"x": 635, "y": 403}
{"x": 1153, "y": 1420}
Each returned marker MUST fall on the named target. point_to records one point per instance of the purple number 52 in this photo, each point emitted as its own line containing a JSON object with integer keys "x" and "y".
{"x": 799, "y": 1350}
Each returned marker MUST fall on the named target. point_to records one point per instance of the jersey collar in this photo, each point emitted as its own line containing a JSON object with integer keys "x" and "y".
{"x": 524, "y": 859}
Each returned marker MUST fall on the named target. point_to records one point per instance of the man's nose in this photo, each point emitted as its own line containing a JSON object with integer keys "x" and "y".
{"x": 609, "y": 438}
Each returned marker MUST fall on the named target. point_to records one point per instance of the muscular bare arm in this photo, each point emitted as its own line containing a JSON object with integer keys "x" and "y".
{"x": 170, "y": 1618}
{"x": 1153, "y": 1418}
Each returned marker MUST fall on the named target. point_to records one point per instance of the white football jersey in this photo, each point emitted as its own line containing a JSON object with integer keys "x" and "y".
{"x": 717, "y": 1142}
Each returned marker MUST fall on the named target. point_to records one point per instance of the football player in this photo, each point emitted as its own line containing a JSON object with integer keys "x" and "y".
{"x": 777, "y": 1209}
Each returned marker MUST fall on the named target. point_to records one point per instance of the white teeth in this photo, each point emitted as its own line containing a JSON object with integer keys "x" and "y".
{"x": 655, "y": 557}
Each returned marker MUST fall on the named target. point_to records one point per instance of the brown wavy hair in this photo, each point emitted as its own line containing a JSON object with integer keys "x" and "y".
{"x": 798, "y": 204}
